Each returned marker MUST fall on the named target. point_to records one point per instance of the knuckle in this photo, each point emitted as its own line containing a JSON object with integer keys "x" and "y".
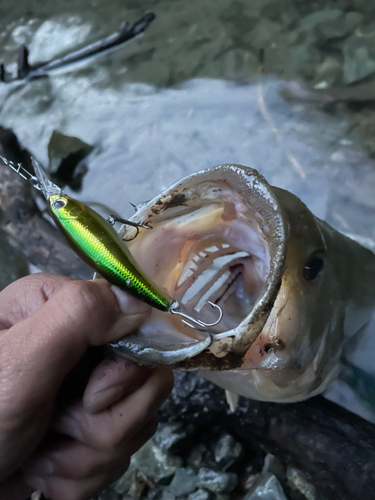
{"x": 87, "y": 300}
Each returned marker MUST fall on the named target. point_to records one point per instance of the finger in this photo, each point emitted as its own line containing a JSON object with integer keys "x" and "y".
{"x": 53, "y": 339}
{"x": 114, "y": 427}
{"x": 77, "y": 315}
{"x": 113, "y": 379}
{"x": 25, "y": 296}
{"x": 74, "y": 460}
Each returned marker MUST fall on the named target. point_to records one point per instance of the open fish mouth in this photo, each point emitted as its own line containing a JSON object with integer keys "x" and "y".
{"x": 217, "y": 236}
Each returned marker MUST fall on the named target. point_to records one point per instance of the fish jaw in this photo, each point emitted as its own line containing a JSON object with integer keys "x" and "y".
{"x": 217, "y": 235}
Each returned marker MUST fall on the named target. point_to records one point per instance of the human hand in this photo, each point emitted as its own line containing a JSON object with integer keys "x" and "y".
{"x": 70, "y": 449}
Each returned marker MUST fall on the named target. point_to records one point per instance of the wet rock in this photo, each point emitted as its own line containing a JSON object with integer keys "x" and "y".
{"x": 200, "y": 495}
{"x": 169, "y": 436}
{"x": 12, "y": 263}
{"x": 300, "y": 488}
{"x": 184, "y": 482}
{"x": 227, "y": 451}
{"x": 155, "y": 463}
{"x": 65, "y": 154}
{"x": 274, "y": 466}
{"x": 267, "y": 487}
{"x": 359, "y": 58}
{"x": 218, "y": 482}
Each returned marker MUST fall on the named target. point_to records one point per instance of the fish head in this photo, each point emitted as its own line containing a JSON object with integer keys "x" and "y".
{"x": 225, "y": 235}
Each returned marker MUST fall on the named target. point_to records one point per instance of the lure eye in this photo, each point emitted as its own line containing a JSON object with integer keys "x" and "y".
{"x": 312, "y": 268}
{"x": 59, "y": 203}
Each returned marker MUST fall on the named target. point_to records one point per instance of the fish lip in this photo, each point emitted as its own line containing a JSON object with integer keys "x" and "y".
{"x": 129, "y": 348}
{"x": 242, "y": 179}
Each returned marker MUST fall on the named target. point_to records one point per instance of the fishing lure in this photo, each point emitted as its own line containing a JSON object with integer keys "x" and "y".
{"x": 98, "y": 244}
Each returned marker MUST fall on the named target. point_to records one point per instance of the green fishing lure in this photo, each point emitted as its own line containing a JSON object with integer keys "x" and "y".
{"x": 98, "y": 244}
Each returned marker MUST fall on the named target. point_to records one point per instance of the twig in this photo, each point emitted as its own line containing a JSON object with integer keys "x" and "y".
{"x": 123, "y": 34}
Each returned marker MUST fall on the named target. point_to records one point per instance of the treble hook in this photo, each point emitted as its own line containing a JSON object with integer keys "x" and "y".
{"x": 175, "y": 309}
{"x": 113, "y": 218}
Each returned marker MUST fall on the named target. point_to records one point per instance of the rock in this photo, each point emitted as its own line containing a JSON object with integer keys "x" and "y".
{"x": 354, "y": 19}
{"x": 12, "y": 263}
{"x": 109, "y": 494}
{"x": 66, "y": 154}
{"x": 137, "y": 487}
{"x": 218, "y": 482}
{"x": 184, "y": 482}
{"x": 166, "y": 495}
{"x": 311, "y": 21}
{"x": 274, "y": 466}
{"x": 200, "y": 495}
{"x": 235, "y": 64}
{"x": 197, "y": 455}
{"x": 162, "y": 494}
{"x": 359, "y": 58}
{"x": 298, "y": 484}
{"x": 169, "y": 436}
{"x": 267, "y": 487}
{"x": 303, "y": 58}
{"x": 227, "y": 451}
{"x": 336, "y": 28}
{"x": 156, "y": 463}
{"x": 328, "y": 73}
{"x": 282, "y": 11}
{"x": 263, "y": 34}
{"x": 123, "y": 484}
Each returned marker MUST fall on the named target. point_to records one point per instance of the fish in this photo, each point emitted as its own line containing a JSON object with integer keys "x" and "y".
{"x": 292, "y": 289}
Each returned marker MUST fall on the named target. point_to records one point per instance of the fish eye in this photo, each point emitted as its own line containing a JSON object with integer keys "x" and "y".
{"x": 312, "y": 268}
{"x": 59, "y": 203}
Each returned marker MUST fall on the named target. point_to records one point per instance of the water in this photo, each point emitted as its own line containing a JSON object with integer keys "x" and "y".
{"x": 189, "y": 94}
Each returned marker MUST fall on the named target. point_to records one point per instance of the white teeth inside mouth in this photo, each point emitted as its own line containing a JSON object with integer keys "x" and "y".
{"x": 214, "y": 252}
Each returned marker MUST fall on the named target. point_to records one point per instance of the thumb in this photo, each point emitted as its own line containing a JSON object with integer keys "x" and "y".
{"x": 38, "y": 352}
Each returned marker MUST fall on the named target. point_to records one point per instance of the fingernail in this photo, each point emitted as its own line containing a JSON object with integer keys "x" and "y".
{"x": 35, "y": 482}
{"x": 129, "y": 304}
{"x": 101, "y": 400}
{"x": 40, "y": 467}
